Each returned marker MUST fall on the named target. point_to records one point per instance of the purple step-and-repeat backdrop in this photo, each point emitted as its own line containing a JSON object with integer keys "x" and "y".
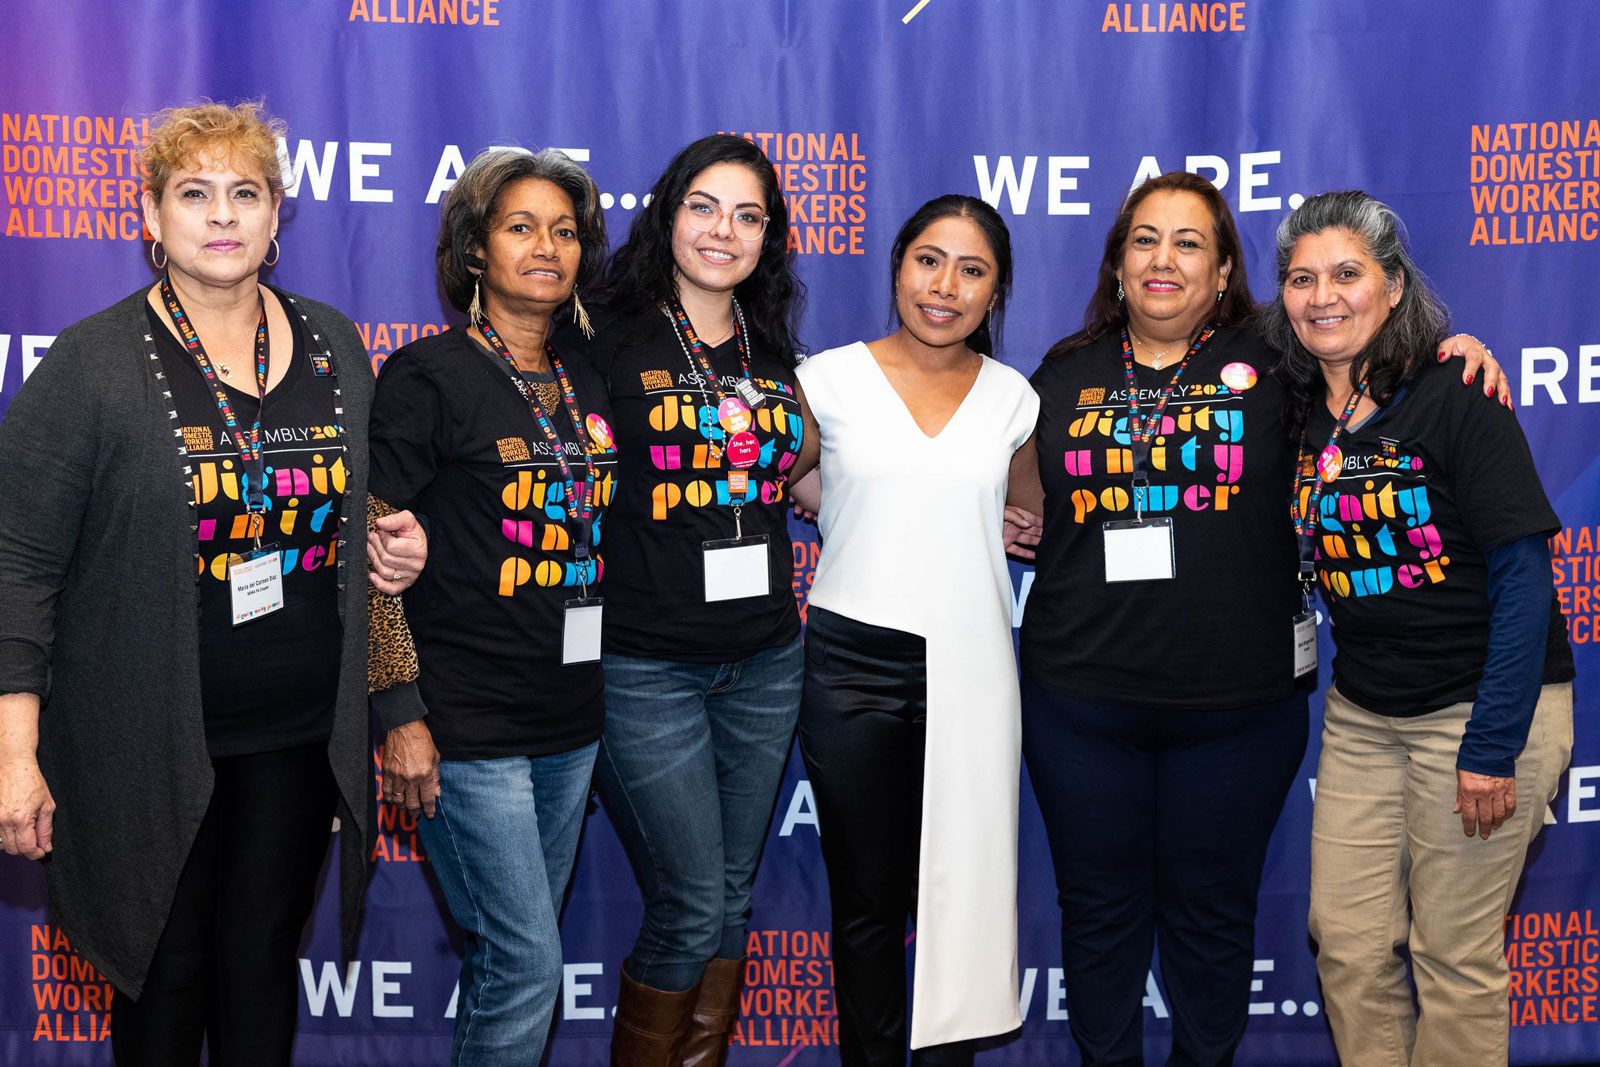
{"x": 1480, "y": 122}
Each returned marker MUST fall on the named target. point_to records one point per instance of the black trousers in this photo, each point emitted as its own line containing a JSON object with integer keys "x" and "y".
{"x": 863, "y": 722}
{"x": 224, "y": 969}
{"x": 1158, "y": 824}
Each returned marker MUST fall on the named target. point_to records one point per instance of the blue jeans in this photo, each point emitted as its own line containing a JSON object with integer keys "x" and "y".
{"x": 689, "y": 770}
{"x": 502, "y": 841}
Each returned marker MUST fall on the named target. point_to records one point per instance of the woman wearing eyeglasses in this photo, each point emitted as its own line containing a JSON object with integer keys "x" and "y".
{"x": 702, "y": 651}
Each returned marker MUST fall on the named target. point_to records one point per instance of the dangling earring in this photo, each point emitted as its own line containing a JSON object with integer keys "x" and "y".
{"x": 276, "y": 252}
{"x": 1119, "y": 291}
{"x": 163, "y": 264}
{"x": 475, "y": 309}
{"x": 581, "y": 317}
{"x": 1219, "y": 295}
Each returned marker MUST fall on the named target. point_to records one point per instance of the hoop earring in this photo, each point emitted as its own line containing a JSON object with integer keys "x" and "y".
{"x": 475, "y": 309}
{"x": 1119, "y": 291}
{"x": 581, "y": 317}
{"x": 277, "y": 252}
{"x": 163, "y": 264}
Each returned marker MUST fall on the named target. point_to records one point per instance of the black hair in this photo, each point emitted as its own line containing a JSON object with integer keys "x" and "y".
{"x": 642, "y": 273}
{"x": 986, "y": 338}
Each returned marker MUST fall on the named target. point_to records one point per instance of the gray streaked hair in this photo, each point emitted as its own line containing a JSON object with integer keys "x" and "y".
{"x": 1408, "y": 337}
{"x": 475, "y": 198}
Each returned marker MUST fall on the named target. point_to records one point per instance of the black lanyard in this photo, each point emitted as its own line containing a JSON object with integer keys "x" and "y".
{"x": 580, "y": 506}
{"x": 251, "y": 455}
{"x": 1139, "y": 435}
{"x": 1330, "y": 461}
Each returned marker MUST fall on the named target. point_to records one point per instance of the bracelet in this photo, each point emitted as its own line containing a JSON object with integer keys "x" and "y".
{"x": 1485, "y": 347}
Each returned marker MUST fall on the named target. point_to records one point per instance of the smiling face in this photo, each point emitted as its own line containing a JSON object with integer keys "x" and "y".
{"x": 1337, "y": 296}
{"x": 946, "y": 282}
{"x": 532, "y": 251}
{"x": 716, "y": 260}
{"x": 1170, "y": 272}
{"x": 214, "y": 222}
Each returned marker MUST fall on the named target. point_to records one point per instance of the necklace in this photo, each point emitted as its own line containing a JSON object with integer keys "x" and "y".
{"x": 1159, "y": 356}
{"x": 224, "y": 371}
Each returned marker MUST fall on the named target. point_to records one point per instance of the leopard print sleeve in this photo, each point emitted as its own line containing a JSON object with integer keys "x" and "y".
{"x": 391, "y": 653}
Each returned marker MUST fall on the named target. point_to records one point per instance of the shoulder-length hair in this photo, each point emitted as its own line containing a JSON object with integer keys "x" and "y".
{"x": 986, "y": 338}
{"x": 474, "y": 201}
{"x": 642, "y": 274}
{"x": 1107, "y": 312}
{"x": 1407, "y": 338}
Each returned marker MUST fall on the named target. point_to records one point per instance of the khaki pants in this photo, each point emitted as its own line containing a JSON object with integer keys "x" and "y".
{"x": 1391, "y": 868}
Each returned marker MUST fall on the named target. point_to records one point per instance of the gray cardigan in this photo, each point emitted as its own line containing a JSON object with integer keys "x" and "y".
{"x": 99, "y": 614}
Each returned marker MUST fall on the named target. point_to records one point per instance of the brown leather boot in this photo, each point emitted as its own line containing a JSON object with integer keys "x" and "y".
{"x": 650, "y": 1024}
{"x": 715, "y": 1013}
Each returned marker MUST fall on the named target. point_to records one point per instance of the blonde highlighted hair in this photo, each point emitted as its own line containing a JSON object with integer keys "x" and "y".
{"x": 243, "y": 136}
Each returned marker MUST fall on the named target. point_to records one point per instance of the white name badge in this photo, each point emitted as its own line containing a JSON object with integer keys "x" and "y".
{"x": 580, "y": 632}
{"x": 736, "y": 569}
{"x": 1305, "y": 643}
{"x": 1139, "y": 551}
{"x": 256, "y": 580}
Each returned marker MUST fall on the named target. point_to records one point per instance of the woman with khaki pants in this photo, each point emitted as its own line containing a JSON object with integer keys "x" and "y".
{"x": 1422, "y": 520}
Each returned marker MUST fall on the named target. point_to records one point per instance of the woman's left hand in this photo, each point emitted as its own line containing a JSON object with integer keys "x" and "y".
{"x": 1484, "y": 802}
{"x": 1478, "y": 358}
{"x": 397, "y": 551}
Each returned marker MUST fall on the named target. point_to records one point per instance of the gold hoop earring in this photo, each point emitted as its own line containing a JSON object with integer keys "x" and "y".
{"x": 163, "y": 264}
{"x": 581, "y": 317}
{"x": 276, "y": 253}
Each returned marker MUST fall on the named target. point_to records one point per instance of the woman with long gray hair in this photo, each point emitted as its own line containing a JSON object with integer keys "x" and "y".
{"x": 506, "y": 445}
{"x": 1420, "y": 516}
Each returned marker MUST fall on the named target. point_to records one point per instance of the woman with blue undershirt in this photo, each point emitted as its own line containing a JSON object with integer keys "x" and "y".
{"x": 1421, "y": 518}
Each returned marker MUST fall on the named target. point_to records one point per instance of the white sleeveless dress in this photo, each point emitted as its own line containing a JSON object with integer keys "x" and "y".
{"x": 911, "y": 540}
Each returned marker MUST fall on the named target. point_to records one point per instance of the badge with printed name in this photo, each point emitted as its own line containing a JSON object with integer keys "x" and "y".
{"x": 1305, "y": 643}
{"x": 736, "y": 568}
{"x": 256, "y": 582}
{"x": 580, "y": 631}
{"x": 1139, "y": 550}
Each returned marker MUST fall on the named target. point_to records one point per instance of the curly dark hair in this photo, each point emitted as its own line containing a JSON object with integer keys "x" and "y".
{"x": 986, "y": 338}
{"x": 642, "y": 273}
{"x": 474, "y": 201}
{"x": 1106, "y": 313}
{"x": 1404, "y": 342}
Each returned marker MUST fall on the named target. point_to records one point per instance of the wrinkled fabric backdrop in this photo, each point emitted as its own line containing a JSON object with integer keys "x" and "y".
{"x": 1479, "y": 122}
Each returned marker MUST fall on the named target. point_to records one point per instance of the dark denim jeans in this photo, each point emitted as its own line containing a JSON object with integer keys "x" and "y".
{"x": 502, "y": 841}
{"x": 689, "y": 770}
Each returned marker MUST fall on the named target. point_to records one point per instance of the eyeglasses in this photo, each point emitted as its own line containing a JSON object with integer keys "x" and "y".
{"x": 747, "y": 224}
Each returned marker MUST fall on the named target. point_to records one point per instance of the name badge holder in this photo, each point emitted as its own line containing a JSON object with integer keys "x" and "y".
{"x": 255, "y": 578}
{"x": 1330, "y": 464}
{"x": 1140, "y": 549}
{"x": 736, "y": 568}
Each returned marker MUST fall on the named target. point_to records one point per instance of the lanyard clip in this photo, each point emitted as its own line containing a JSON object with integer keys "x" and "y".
{"x": 1141, "y": 485}
{"x": 738, "y": 525}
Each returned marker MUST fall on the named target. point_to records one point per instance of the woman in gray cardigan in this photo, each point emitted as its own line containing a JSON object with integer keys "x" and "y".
{"x": 183, "y": 638}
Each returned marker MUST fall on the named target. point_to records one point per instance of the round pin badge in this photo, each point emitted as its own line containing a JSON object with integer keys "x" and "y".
{"x": 734, "y": 415}
{"x": 743, "y": 450}
{"x": 1330, "y": 464}
{"x": 599, "y": 432}
{"x": 1238, "y": 376}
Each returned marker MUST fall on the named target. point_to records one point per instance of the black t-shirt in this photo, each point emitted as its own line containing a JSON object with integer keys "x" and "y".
{"x": 1219, "y": 634}
{"x": 453, "y": 439}
{"x": 1429, "y": 486}
{"x": 673, "y": 497}
{"x": 270, "y": 683}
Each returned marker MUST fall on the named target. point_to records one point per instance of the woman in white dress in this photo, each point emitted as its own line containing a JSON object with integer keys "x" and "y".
{"x": 910, "y": 720}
